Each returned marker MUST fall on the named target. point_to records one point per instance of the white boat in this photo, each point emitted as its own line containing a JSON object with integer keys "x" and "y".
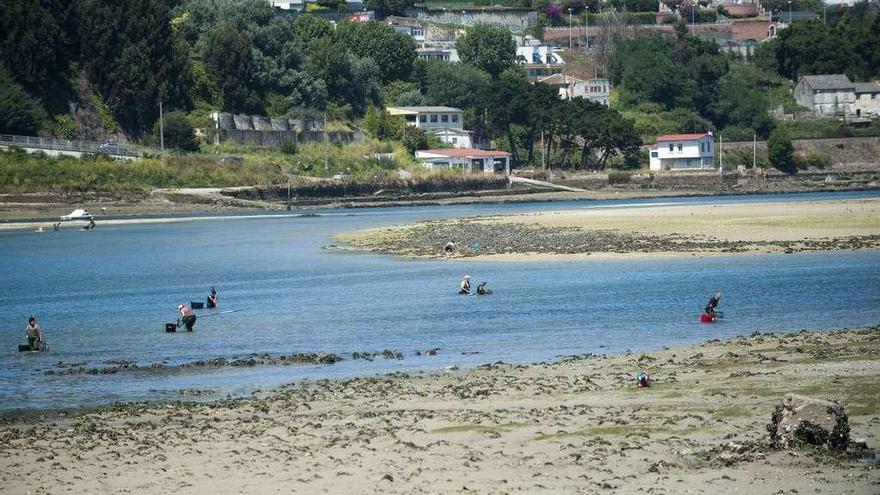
{"x": 78, "y": 214}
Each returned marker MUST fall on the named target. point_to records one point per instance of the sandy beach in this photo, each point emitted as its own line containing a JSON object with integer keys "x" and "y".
{"x": 577, "y": 425}
{"x": 677, "y": 230}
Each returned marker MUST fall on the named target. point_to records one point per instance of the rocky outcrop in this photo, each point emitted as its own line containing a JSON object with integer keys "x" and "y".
{"x": 805, "y": 420}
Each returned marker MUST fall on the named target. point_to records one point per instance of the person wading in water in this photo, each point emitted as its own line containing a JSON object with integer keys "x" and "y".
{"x": 212, "y": 298}
{"x": 188, "y": 317}
{"x": 34, "y": 334}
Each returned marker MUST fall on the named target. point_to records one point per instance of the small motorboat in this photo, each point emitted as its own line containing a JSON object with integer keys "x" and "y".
{"x": 78, "y": 214}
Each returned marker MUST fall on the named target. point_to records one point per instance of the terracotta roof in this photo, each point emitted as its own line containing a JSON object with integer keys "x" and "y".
{"x": 681, "y": 137}
{"x": 467, "y": 153}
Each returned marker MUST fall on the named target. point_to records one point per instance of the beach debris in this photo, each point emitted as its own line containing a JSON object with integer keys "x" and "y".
{"x": 388, "y": 477}
{"x": 807, "y": 420}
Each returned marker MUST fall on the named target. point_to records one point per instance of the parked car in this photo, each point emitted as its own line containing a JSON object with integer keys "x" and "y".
{"x": 114, "y": 149}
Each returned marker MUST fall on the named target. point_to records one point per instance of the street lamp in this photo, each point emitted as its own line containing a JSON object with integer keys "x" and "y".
{"x": 789, "y": 12}
{"x": 569, "y": 29}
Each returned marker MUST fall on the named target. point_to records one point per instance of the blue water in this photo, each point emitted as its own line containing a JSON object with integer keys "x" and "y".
{"x": 106, "y": 295}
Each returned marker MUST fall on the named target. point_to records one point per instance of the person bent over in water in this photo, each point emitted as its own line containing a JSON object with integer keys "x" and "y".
{"x": 465, "y": 285}
{"x": 212, "y": 298}
{"x": 713, "y": 304}
{"x": 188, "y": 317}
{"x": 481, "y": 289}
{"x": 34, "y": 334}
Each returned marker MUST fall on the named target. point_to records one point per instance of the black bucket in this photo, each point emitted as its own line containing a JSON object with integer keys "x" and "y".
{"x": 197, "y": 305}
{"x": 170, "y": 327}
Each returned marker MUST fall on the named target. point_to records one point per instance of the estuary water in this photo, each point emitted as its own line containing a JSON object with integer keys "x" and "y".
{"x": 104, "y": 296}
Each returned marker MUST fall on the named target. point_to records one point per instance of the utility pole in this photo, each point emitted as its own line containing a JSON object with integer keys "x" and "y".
{"x": 543, "y": 152}
{"x": 789, "y": 13}
{"x": 721, "y": 155}
{"x": 326, "y": 151}
{"x": 161, "y": 129}
{"x": 569, "y": 29}
{"x": 754, "y": 150}
{"x": 586, "y": 30}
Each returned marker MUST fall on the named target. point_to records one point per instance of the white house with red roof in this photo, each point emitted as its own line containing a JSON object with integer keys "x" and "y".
{"x": 467, "y": 159}
{"x": 683, "y": 152}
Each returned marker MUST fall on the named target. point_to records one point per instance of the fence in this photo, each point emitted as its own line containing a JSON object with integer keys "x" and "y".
{"x": 84, "y": 147}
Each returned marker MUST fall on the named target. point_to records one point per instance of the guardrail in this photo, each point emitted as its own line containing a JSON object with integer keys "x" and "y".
{"x": 87, "y": 147}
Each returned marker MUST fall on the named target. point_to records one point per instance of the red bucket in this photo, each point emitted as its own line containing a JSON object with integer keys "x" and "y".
{"x": 705, "y": 318}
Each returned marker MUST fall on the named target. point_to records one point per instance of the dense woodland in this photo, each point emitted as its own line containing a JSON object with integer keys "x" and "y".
{"x": 114, "y": 61}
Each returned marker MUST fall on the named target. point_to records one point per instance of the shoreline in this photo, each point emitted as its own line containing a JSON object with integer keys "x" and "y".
{"x": 28, "y": 216}
{"x": 545, "y": 427}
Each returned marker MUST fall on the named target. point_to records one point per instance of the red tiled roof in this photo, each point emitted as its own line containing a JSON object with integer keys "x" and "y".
{"x": 467, "y": 153}
{"x": 681, "y": 137}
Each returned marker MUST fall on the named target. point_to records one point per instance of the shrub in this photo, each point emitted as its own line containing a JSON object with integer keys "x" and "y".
{"x": 619, "y": 177}
{"x": 288, "y": 147}
{"x": 179, "y": 133}
{"x": 780, "y": 151}
{"x": 814, "y": 160}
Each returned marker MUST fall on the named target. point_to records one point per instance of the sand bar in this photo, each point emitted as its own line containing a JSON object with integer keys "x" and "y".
{"x": 665, "y": 230}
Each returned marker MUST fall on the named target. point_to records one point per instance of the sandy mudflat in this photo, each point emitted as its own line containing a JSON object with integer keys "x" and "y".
{"x": 573, "y": 426}
{"x": 639, "y": 231}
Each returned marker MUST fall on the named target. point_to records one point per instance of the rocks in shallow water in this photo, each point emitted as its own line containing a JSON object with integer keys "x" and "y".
{"x": 806, "y": 420}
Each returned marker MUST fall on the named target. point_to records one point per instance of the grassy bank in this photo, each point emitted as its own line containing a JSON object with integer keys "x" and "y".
{"x": 21, "y": 172}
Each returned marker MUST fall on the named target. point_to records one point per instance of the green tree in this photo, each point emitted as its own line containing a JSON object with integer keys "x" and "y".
{"x": 19, "y": 112}
{"x": 454, "y": 85}
{"x": 780, "y": 151}
{"x": 129, "y": 52}
{"x": 643, "y": 71}
{"x": 813, "y": 48}
{"x": 415, "y": 139}
{"x": 742, "y": 100}
{"x": 309, "y": 27}
{"x": 384, "y": 8}
{"x": 488, "y": 47}
{"x": 179, "y": 133}
{"x": 228, "y": 58}
{"x": 33, "y": 42}
{"x": 394, "y": 52}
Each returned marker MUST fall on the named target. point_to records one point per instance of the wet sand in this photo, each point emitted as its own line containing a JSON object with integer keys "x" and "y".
{"x": 680, "y": 230}
{"x": 578, "y": 425}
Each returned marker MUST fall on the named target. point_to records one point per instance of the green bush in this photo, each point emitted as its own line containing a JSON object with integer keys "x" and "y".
{"x": 66, "y": 126}
{"x": 780, "y": 151}
{"x": 288, "y": 147}
{"x": 813, "y": 160}
{"x": 179, "y": 133}
{"x": 619, "y": 177}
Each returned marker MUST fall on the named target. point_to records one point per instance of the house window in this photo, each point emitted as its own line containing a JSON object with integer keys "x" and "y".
{"x": 434, "y": 118}
{"x": 671, "y": 147}
{"x": 455, "y": 140}
{"x": 423, "y": 118}
{"x": 653, "y": 154}
{"x": 455, "y": 117}
{"x": 444, "y": 118}
{"x": 679, "y": 147}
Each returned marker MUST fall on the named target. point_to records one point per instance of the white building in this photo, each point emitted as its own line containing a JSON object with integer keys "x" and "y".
{"x": 540, "y": 60}
{"x": 446, "y": 123}
{"x": 683, "y": 152}
{"x": 827, "y": 95}
{"x": 442, "y": 53}
{"x": 867, "y": 99}
{"x": 597, "y": 90}
{"x": 300, "y": 5}
{"x": 466, "y": 159}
